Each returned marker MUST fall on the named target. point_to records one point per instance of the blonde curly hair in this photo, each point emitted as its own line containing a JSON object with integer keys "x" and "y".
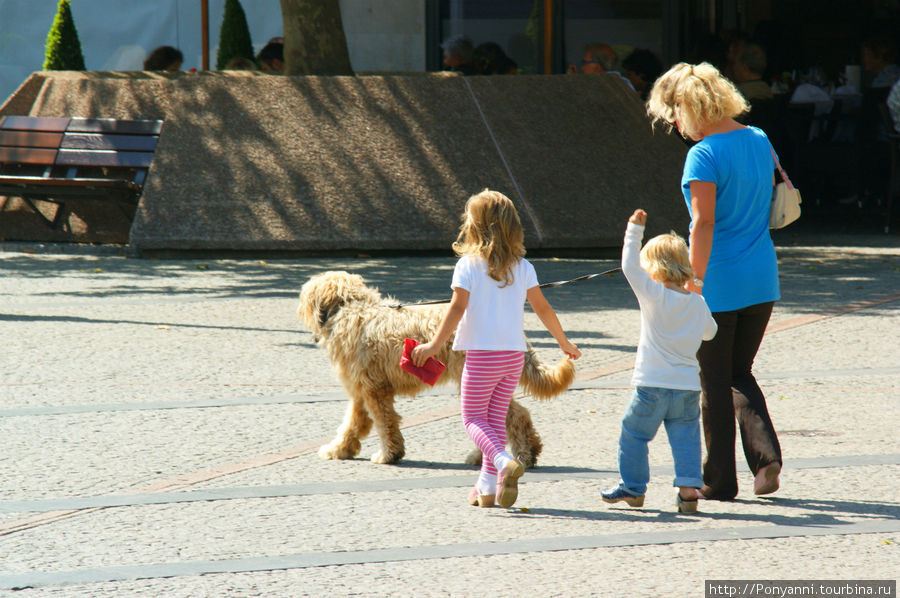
{"x": 666, "y": 259}
{"x": 694, "y": 96}
{"x": 491, "y": 229}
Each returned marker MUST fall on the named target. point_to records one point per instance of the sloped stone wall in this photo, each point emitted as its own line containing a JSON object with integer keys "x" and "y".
{"x": 248, "y": 161}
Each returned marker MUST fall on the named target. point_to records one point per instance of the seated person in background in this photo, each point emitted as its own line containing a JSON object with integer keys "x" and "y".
{"x": 458, "y": 55}
{"x": 893, "y": 102}
{"x": 748, "y": 68}
{"x": 642, "y": 67}
{"x": 810, "y": 91}
{"x": 598, "y": 59}
{"x": 271, "y": 58}
{"x": 490, "y": 59}
{"x": 733, "y": 41}
{"x": 164, "y": 58}
{"x": 878, "y": 55}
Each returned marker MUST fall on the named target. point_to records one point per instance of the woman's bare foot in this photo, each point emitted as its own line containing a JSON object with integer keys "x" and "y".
{"x": 766, "y": 480}
{"x": 689, "y": 493}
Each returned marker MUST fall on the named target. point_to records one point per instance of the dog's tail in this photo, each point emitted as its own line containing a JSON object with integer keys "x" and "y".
{"x": 543, "y": 381}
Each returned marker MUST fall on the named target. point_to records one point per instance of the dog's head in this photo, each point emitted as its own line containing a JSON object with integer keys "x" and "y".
{"x": 323, "y": 295}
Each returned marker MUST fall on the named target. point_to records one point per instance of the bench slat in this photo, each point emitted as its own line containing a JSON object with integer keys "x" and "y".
{"x": 27, "y": 155}
{"x": 36, "y": 123}
{"x": 72, "y": 157}
{"x": 140, "y": 143}
{"x": 37, "y": 187}
{"x": 110, "y": 125}
{"x": 30, "y": 139}
{"x": 8, "y": 181}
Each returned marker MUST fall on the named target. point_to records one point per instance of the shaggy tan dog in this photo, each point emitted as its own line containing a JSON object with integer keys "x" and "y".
{"x": 363, "y": 334}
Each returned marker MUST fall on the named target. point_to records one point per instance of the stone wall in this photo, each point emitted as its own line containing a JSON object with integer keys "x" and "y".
{"x": 248, "y": 161}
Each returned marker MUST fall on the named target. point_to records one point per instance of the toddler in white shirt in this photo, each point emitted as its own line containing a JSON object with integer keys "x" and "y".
{"x": 666, "y": 374}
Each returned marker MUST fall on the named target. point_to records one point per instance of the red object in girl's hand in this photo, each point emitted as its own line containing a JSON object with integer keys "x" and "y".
{"x": 429, "y": 373}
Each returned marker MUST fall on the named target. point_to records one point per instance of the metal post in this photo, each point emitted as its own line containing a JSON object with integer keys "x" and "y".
{"x": 548, "y": 37}
{"x": 204, "y": 35}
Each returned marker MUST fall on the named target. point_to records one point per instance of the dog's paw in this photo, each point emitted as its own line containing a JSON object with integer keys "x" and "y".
{"x": 331, "y": 451}
{"x": 473, "y": 458}
{"x": 385, "y": 458}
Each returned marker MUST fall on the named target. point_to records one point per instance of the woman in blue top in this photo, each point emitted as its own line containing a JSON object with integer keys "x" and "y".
{"x": 727, "y": 183}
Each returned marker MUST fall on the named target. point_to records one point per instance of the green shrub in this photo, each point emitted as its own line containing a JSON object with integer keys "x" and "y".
{"x": 63, "y": 50}
{"x": 234, "y": 37}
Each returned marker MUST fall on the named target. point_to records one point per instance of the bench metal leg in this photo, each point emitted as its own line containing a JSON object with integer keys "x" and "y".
{"x": 57, "y": 216}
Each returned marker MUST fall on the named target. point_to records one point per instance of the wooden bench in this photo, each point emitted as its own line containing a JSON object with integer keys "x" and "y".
{"x": 58, "y": 159}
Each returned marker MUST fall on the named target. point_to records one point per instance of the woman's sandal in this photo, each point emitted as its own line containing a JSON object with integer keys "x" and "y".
{"x": 685, "y": 506}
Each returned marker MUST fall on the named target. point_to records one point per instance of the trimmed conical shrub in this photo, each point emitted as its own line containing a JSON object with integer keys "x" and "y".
{"x": 63, "y": 50}
{"x": 234, "y": 37}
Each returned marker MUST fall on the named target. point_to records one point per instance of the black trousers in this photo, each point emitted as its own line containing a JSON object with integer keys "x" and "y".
{"x": 729, "y": 391}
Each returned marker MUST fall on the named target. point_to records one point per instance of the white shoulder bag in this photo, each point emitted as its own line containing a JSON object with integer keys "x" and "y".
{"x": 785, "y": 200}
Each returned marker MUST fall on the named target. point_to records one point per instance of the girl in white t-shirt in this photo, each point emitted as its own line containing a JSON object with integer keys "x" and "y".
{"x": 490, "y": 284}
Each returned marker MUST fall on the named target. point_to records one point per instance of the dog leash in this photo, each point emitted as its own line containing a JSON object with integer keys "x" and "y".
{"x": 546, "y": 285}
{"x": 560, "y": 283}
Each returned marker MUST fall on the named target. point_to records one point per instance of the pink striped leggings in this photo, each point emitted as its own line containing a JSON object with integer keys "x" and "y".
{"x": 489, "y": 379}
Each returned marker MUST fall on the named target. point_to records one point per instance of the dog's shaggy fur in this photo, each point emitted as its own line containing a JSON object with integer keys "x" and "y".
{"x": 364, "y": 333}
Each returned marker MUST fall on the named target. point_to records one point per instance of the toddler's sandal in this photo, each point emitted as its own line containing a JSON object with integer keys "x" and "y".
{"x": 476, "y": 499}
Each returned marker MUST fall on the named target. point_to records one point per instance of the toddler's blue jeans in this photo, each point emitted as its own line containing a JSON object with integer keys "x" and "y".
{"x": 679, "y": 410}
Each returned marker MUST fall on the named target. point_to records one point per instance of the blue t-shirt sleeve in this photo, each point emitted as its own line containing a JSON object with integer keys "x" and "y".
{"x": 700, "y": 165}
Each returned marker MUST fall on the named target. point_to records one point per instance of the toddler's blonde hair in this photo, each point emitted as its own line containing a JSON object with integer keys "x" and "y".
{"x": 666, "y": 259}
{"x": 491, "y": 230}
{"x": 695, "y": 96}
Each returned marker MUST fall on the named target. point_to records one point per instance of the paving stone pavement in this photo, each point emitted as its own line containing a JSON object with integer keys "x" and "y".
{"x": 159, "y": 421}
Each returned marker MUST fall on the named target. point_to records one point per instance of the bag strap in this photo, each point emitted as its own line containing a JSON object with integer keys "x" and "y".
{"x": 784, "y": 176}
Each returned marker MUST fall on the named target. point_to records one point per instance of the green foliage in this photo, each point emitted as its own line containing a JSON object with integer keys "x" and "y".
{"x": 63, "y": 49}
{"x": 234, "y": 37}
{"x": 533, "y": 29}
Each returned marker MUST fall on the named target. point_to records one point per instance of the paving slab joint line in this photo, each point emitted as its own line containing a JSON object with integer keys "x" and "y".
{"x": 56, "y": 508}
{"x": 419, "y": 553}
{"x": 538, "y": 476}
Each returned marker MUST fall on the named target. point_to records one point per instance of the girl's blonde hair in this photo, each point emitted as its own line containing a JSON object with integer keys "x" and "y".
{"x": 666, "y": 259}
{"x": 491, "y": 230}
{"x": 694, "y": 96}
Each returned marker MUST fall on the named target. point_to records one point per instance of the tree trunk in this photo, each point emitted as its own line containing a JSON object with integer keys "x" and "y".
{"x": 314, "y": 41}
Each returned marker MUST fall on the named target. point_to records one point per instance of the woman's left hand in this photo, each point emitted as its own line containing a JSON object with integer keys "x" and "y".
{"x": 693, "y": 288}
